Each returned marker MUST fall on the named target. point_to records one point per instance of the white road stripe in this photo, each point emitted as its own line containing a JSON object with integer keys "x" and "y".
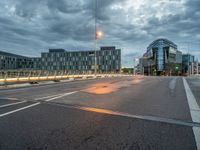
{"x": 194, "y": 111}
{"x": 35, "y": 104}
{"x": 6, "y": 105}
{"x": 63, "y": 95}
{"x": 12, "y": 98}
{"x": 124, "y": 114}
{"x": 9, "y": 98}
{"x": 40, "y": 98}
{"x": 16, "y": 110}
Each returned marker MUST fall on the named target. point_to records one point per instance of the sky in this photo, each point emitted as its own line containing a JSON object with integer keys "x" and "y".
{"x": 29, "y": 27}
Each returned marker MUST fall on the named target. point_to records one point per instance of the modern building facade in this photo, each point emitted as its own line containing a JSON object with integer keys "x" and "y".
{"x": 188, "y": 63}
{"x": 9, "y": 61}
{"x": 108, "y": 60}
{"x": 161, "y": 58}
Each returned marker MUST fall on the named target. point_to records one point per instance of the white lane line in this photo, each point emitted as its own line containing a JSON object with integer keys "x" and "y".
{"x": 60, "y": 96}
{"x": 6, "y": 105}
{"x": 20, "y": 109}
{"x": 123, "y": 114}
{"x": 194, "y": 111}
{"x": 35, "y": 104}
{"x": 12, "y": 98}
{"x": 40, "y": 98}
{"x": 54, "y": 96}
{"x": 9, "y": 98}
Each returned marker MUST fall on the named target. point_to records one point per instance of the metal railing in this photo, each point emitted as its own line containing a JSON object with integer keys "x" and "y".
{"x": 197, "y": 76}
{"x": 16, "y": 76}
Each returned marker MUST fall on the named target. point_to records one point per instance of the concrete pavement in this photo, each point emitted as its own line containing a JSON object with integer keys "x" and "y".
{"x": 110, "y": 113}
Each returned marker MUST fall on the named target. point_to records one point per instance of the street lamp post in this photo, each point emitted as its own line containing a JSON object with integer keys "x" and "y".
{"x": 95, "y": 53}
{"x": 98, "y": 34}
{"x": 134, "y": 65}
{"x": 197, "y": 67}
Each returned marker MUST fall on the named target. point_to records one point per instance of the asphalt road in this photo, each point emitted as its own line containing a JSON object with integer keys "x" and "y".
{"x": 121, "y": 113}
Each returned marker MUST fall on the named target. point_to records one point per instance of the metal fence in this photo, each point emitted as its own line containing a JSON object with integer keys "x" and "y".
{"x": 13, "y": 76}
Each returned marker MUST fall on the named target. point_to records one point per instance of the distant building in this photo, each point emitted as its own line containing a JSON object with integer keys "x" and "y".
{"x": 9, "y": 61}
{"x": 161, "y": 58}
{"x": 188, "y": 63}
{"x": 108, "y": 60}
{"x": 36, "y": 63}
{"x": 127, "y": 70}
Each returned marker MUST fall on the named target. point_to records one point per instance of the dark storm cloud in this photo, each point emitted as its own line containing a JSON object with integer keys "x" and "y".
{"x": 30, "y": 27}
{"x": 64, "y": 6}
{"x": 26, "y": 9}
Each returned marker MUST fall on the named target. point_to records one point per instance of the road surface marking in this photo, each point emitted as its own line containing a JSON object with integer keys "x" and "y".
{"x": 40, "y": 98}
{"x": 194, "y": 111}
{"x": 117, "y": 113}
{"x": 20, "y": 109}
{"x": 12, "y": 98}
{"x": 172, "y": 84}
{"x": 9, "y": 98}
{"x": 6, "y": 105}
{"x": 35, "y": 104}
{"x": 60, "y": 96}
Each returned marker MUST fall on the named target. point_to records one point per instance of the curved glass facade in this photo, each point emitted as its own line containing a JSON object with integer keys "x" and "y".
{"x": 162, "y": 52}
{"x": 162, "y": 58}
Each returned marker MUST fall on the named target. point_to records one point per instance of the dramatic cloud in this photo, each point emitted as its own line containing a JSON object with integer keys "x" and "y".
{"x": 30, "y": 27}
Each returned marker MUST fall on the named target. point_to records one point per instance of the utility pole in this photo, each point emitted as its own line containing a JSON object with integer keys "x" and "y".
{"x": 95, "y": 34}
{"x": 192, "y": 67}
{"x": 188, "y": 61}
{"x": 197, "y": 67}
{"x": 149, "y": 68}
{"x": 134, "y": 66}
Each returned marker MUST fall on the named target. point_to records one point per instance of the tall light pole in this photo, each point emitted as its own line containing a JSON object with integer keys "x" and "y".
{"x": 95, "y": 34}
{"x": 98, "y": 34}
{"x": 134, "y": 65}
{"x": 197, "y": 67}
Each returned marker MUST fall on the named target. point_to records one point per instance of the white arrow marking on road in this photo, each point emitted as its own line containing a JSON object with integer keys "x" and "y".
{"x": 194, "y": 111}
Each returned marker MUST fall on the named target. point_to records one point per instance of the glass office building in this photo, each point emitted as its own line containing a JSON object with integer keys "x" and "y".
{"x": 9, "y": 61}
{"x": 188, "y": 61}
{"x": 108, "y": 60}
{"x": 162, "y": 58}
